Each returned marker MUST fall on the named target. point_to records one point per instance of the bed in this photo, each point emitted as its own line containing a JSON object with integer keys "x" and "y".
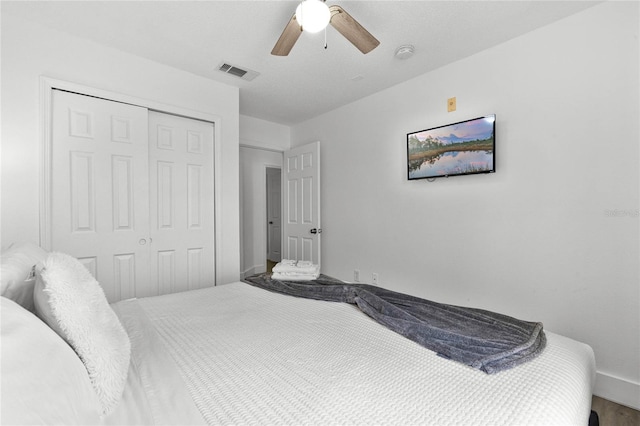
{"x": 239, "y": 354}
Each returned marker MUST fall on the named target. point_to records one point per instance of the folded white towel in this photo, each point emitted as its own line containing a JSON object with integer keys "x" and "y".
{"x": 298, "y": 274}
{"x": 312, "y": 269}
{"x": 292, "y": 270}
{"x": 290, "y": 277}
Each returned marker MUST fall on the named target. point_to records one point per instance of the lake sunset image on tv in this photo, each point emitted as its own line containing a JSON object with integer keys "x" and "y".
{"x": 461, "y": 148}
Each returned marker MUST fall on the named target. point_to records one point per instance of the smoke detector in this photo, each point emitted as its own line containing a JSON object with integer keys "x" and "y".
{"x": 405, "y": 51}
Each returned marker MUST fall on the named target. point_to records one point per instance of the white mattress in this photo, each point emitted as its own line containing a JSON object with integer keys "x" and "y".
{"x": 249, "y": 356}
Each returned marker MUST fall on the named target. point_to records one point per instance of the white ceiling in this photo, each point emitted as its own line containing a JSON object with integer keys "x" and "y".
{"x": 197, "y": 36}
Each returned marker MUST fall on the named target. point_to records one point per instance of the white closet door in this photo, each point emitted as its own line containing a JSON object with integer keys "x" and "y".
{"x": 182, "y": 209}
{"x": 99, "y": 189}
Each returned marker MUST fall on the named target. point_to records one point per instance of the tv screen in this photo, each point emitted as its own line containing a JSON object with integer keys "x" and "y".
{"x": 463, "y": 148}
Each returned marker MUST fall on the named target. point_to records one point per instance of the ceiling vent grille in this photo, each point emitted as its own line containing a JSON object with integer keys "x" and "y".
{"x": 244, "y": 74}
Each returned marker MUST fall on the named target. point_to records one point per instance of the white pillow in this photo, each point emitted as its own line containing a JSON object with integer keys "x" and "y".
{"x": 70, "y": 300}
{"x": 43, "y": 380}
{"x": 16, "y": 265}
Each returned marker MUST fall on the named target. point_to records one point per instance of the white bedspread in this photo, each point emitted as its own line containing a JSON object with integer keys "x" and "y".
{"x": 155, "y": 393}
{"x": 249, "y": 356}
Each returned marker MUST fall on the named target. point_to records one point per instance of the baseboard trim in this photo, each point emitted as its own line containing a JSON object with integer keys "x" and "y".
{"x": 618, "y": 390}
{"x": 256, "y": 269}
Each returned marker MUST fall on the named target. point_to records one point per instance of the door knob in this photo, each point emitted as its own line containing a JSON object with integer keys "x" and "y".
{"x": 316, "y": 231}
{"x": 142, "y": 241}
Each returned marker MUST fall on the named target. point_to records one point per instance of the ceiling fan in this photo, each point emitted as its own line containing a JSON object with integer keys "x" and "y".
{"x": 314, "y": 16}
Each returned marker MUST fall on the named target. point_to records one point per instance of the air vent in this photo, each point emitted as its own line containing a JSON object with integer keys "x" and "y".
{"x": 244, "y": 74}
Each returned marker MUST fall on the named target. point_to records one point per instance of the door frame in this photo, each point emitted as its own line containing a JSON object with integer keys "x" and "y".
{"x": 266, "y": 214}
{"x": 260, "y": 168}
{"x": 48, "y": 84}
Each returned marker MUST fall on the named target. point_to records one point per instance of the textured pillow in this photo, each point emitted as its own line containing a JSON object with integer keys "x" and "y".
{"x": 16, "y": 266}
{"x": 43, "y": 380}
{"x": 72, "y": 303}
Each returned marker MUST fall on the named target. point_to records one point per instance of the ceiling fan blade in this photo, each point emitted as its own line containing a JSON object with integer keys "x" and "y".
{"x": 352, "y": 30}
{"x": 288, "y": 38}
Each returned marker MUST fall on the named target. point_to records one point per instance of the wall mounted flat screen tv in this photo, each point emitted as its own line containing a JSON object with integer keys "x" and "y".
{"x": 463, "y": 148}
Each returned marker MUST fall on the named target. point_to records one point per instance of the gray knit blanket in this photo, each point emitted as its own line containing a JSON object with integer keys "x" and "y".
{"x": 483, "y": 340}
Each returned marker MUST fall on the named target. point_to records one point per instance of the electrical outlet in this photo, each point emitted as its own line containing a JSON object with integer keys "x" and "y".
{"x": 356, "y": 275}
{"x": 374, "y": 278}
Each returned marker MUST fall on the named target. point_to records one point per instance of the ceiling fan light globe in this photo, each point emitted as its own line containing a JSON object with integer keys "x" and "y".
{"x": 313, "y": 15}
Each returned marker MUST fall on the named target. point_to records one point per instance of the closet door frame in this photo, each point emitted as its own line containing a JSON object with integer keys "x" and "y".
{"x": 47, "y": 85}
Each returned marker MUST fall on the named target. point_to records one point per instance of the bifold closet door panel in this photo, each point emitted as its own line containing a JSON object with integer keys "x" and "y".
{"x": 182, "y": 202}
{"x": 99, "y": 189}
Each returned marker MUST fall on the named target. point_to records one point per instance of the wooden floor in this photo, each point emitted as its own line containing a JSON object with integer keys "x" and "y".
{"x": 612, "y": 414}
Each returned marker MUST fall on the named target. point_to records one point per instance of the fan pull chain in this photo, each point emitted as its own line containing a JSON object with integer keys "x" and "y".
{"x": 325, "y": 38}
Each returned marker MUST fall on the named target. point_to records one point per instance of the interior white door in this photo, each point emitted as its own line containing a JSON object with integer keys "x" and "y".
{"x": 99, "y": 189}
{"x": 274, "y": 215}
{"x": 182, "y": 202}
{"x": 302, "y": 228}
